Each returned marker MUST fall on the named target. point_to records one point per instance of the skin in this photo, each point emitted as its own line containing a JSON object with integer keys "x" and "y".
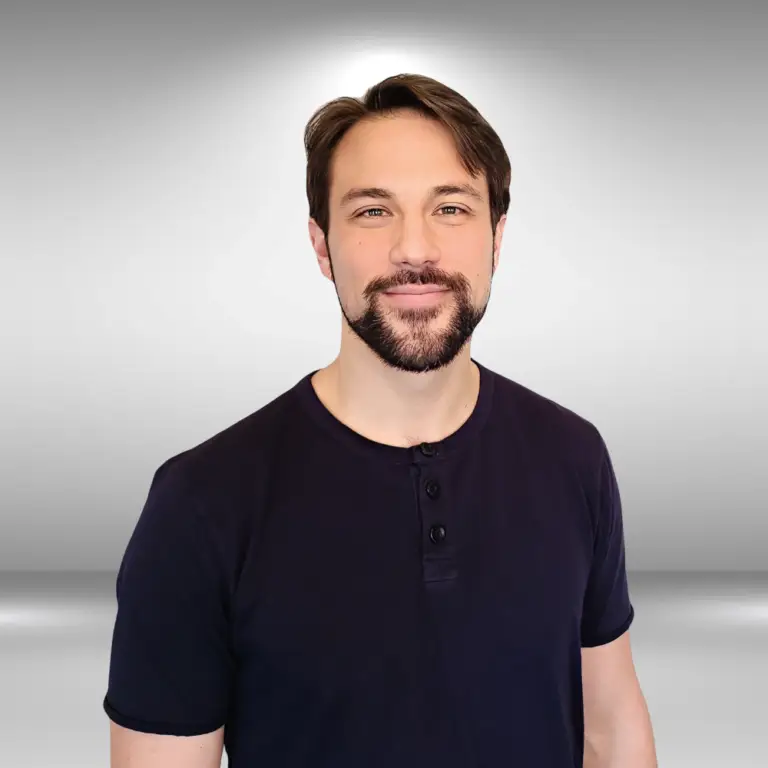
{"x": 403, "y": 373}
{"x": 131, "y": 749}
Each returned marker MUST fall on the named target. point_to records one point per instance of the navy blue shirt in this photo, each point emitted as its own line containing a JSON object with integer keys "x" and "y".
{"x": 336, "y": 602}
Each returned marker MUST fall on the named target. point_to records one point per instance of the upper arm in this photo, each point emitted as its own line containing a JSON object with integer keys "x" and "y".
{"x": 611, "y": 691}
{"x": 609, "y": 683}
{"x": 617, "y": 723}
{"x": 607, "y": 610}
{"x": 134, "y": 749}
{"x": 171, "y": 665}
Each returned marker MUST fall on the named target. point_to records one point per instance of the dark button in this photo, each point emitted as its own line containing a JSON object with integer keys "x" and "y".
{"x": 432, "y": 487}
{"x": 427, "y": 449}
{"x": 437, "y": 534}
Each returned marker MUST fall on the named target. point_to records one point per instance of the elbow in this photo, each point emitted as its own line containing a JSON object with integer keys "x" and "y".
{"x": 626, "y": 742}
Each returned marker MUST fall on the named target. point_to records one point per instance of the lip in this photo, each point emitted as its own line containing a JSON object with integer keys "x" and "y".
{"x": 416, "y": 290}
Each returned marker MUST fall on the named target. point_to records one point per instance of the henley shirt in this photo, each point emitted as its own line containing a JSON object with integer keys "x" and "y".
{"x": 335, "y": 602}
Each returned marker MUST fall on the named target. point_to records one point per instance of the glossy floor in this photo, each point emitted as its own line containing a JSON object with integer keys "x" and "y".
{"x": 700, "y": 644}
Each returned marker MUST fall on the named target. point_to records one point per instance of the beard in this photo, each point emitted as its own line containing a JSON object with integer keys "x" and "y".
{"x": 418, "y": 347}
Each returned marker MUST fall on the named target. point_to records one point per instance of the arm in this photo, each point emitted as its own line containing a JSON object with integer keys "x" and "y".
{"x": 133, "y": 749}
{"x": 617, "y": 725}
{"x": 171, "y": 666}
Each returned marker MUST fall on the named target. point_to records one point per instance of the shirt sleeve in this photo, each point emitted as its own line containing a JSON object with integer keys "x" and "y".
{"x": 171, "y": 666}
{"x": 607, "y": 610}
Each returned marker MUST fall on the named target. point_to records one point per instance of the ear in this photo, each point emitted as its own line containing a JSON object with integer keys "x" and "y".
{"x": 320, "y": 247}
{"x": 498, "y": 235}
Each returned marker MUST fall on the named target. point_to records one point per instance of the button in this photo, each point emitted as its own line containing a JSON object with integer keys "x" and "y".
{"x": 427, "y": 449}
{"x": 437, "y": 534}
{"x": 432, "y": 487}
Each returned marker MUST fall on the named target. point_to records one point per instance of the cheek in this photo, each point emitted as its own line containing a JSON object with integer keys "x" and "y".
{"x": 362, "y": 259}
{"x": 353, "y": 273}
{"x": 473, "y": 260}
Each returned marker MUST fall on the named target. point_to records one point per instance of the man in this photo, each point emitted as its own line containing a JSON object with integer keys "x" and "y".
{"x": 406, "y": 559}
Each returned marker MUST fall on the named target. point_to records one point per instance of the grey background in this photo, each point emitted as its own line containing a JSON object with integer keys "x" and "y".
{"x": 158, "y": 282}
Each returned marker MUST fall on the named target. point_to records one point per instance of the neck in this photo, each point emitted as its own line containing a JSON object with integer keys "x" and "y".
{"x": 397, "y": 407}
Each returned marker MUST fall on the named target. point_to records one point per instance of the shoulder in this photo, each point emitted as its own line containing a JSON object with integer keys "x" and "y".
{"x": 226, "y": 478}
{"x": 563, "y": 449}
{"x": 236, "y": 453}
{"x": 547, "y": 426}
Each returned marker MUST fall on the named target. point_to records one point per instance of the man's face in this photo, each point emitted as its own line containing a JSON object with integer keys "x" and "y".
{"x": 412, "y": 264}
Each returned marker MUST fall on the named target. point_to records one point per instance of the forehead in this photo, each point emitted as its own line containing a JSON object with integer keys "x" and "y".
{"x": 406, "y": 152}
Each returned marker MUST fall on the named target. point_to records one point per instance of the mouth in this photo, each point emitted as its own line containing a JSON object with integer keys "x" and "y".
{"x": 417, "y": 296}
{"x": 415, "y": 290}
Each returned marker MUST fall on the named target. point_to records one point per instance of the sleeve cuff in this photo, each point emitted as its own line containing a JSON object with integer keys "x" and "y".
{"x": 607, "y": 637}
{"x": 158, "y": 727}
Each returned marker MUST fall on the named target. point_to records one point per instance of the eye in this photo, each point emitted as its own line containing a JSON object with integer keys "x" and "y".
{"x": 368, "y": 210}
{"x": 362, "y": 214}
{"x": 454, "y": 207}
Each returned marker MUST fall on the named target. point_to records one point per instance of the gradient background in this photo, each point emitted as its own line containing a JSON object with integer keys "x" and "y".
{"x": 157, "y": 284}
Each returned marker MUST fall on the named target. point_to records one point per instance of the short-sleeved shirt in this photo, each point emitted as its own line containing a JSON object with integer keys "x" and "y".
{"x": 335, "y": 602}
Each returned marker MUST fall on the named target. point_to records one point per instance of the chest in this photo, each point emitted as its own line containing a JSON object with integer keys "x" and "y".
{"x": 363, "y": 576}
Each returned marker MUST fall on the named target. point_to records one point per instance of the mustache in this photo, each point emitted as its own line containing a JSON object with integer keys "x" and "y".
{"x": 428, "y": 276}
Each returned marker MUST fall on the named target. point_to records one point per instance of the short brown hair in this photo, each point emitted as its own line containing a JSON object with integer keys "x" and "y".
{"x": 478, "y": 145}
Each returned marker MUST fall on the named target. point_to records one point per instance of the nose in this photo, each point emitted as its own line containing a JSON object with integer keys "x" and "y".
{"x": 414, "y": 245}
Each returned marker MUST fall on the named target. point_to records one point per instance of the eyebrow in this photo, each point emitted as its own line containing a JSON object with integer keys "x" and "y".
{"x": 385, "y": 194}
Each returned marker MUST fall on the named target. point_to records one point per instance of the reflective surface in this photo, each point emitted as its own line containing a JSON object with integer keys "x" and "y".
{"x": 700, "y": 643}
